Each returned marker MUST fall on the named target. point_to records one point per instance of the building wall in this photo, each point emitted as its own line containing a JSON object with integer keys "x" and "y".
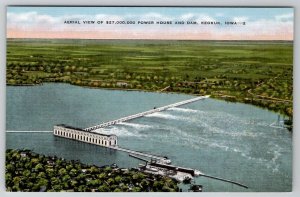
{"x": 83, "y": 136}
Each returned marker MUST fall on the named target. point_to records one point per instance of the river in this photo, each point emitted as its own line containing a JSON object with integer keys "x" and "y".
{"x": 229, "y": 140}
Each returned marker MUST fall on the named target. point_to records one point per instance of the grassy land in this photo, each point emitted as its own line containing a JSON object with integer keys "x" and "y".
{"x": 29, "y": 172}
{"x": 258, "y": 73}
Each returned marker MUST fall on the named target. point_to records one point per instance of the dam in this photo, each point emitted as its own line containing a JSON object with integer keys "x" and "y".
{"x": 88, "y": 135}
{"x": 138, "y": 115}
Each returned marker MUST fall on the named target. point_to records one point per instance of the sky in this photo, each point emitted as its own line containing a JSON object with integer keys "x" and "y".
{"x": 50, "y": 22}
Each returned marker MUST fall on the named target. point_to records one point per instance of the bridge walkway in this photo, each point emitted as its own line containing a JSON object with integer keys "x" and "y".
{"x": 106, "y": 124}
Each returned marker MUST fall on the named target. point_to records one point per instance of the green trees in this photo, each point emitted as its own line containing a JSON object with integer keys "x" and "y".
{"x": 103, "y": 188}
{"x": 62, "y": 172}
{"x": 35, "y": 172}
{"x": 38, "y": 167}
{"x": 10, "y": 168}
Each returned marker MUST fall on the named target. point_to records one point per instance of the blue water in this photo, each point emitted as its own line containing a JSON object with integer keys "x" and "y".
{"x": 228, "y": 140}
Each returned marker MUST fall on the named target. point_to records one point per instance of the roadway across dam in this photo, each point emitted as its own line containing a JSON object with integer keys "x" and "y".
{"x": 138, "y": 115}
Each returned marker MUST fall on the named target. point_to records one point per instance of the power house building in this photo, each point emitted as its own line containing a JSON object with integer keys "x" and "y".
{"x": 85, "y": 136}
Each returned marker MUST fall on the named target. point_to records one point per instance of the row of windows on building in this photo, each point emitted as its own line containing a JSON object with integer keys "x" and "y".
{"x": 85, "y": 138}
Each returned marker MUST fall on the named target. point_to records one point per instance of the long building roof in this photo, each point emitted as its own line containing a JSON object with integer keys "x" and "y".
{"x": 80, "y": 129}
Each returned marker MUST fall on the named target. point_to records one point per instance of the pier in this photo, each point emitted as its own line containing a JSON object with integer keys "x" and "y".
{"x": 159, "y": 159}
{"x": 177, "y": 172}
{"x": 138, "y": 115}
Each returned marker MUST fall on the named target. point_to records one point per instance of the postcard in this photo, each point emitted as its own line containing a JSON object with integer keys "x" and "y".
{"x": 149, "y": 99}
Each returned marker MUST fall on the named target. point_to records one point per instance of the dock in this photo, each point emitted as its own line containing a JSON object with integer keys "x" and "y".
{"x": 179, "y": 173}
{"x": 190, "y": 171}
{"x": 160, "y": 159}
{"x": 138, "y": 115}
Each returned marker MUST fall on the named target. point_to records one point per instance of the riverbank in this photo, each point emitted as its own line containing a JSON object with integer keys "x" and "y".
{"x": 28, "y": 172}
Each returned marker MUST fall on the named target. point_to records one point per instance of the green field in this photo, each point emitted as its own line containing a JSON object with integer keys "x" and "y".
{"x": 256, "y": 72}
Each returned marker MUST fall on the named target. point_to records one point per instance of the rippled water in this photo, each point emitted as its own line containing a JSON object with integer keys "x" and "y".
{"x": 228, "y": 140}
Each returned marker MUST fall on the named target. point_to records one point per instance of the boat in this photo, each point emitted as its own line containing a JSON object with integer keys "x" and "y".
{"x": 196, "y": 188}
{"x": 187, "y": 180}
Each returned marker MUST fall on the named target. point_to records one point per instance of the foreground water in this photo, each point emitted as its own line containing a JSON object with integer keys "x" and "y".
{"x": 229, "y": 140}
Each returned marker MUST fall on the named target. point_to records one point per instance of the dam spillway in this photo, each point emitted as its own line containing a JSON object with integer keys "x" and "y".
{"x": 138, "y": 115}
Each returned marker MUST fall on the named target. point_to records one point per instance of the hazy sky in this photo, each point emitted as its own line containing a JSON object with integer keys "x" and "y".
{"x": 49, "y": 22}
